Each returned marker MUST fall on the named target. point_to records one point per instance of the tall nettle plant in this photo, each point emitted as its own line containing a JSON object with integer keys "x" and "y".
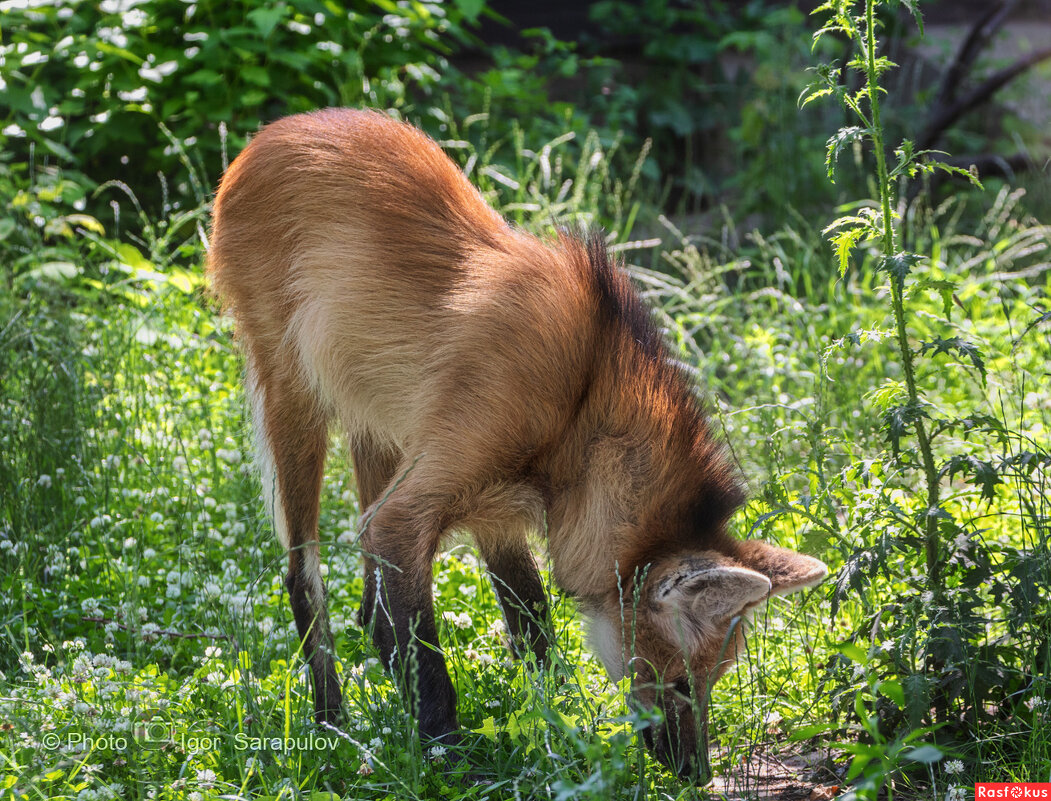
{"x": 966, "y": 634}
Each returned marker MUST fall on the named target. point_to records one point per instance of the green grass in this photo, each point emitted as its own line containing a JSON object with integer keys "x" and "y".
{"x": 141, "y": 588}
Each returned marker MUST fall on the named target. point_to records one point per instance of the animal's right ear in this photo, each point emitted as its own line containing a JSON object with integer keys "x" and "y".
{"x": 694, "y": 604}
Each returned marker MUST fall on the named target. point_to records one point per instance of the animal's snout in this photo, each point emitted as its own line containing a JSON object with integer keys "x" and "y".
{"x": 680, "y": 739}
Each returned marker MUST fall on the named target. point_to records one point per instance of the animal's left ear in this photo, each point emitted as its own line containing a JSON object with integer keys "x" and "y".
{"x": 787, "y": 570}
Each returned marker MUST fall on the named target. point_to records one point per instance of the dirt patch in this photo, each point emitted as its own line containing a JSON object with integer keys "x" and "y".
{"x": 771, "y": 772}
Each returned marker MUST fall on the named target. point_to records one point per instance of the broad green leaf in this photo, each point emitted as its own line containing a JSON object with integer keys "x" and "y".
{"x": 266, "y": 18}
{"x": 853, "y": 652}
{"x": 470, "y": 8}
{"x": 52, "y": 270}
{"x": 253, "y": 73}
{"x": 87, "y": 222}
{"x": 487, "y": 729}
{"x": 927, "y": 754}
{"x": 130, "y": 257}
{"x": 183, "y": 281}
{"x": 893, "y": 690}
{"x": 204, "y": 77}
{"x": 807, "y": 732}
{"x": 856, "y": 766}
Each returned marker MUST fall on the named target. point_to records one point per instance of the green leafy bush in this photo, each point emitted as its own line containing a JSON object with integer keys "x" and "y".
{"x": 92, "y": 84}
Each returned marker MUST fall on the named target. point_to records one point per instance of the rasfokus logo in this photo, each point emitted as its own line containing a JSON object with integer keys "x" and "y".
{"x": 1013, "y": 791}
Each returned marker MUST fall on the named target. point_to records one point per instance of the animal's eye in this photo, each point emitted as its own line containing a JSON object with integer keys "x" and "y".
{"x": 682, "y": 687}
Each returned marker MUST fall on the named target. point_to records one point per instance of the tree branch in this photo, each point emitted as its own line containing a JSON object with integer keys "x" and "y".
{"x": 981, "y": 32}
{"x": 946, "y": 116}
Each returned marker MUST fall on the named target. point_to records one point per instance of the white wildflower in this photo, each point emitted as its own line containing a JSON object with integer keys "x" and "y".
{"x": 206, "y": 778}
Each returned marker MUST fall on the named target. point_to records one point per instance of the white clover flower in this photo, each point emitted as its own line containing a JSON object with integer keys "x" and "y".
{"x": 44, "y": 481}
{"x": 954, "y": 766}
{"x": 460, "y": 621}
{"x": 157, "y": 74}
{"x": 229, "y": 455}
{"x": 134, "y": 96}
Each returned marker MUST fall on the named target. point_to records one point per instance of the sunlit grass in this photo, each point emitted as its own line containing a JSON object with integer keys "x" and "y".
{"x": 141, "y": 589}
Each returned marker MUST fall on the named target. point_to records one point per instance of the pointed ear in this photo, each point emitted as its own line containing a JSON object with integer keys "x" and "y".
{"x": 787, "y": 570}
{"x": 692, "y": 603}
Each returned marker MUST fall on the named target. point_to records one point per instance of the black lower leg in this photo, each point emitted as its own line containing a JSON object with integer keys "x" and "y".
{"x": 307, "y": 597}
{"x": 407, "y": 638}
{"x": 523, "y": 600}
{"x": 368, "y": 594}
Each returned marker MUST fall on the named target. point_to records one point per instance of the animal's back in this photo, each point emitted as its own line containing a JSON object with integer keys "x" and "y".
{"x": 362, "y": 266}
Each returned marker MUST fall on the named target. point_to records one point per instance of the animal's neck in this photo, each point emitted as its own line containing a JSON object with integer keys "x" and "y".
{"x": 636, "y": 477}
{"x": 601, "y": 488}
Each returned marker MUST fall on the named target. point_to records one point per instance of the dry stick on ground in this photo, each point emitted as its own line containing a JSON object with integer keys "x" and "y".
{"x": 161, "y": 632}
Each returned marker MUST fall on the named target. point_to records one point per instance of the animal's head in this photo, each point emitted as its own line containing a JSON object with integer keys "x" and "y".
{"x": 685, "y": 631}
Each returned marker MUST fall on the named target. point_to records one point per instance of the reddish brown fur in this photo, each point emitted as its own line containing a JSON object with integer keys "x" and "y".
{"x": 485, "y": 378}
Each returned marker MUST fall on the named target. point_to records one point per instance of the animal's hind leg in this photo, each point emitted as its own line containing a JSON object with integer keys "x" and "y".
{"x": 375, "y": 465}
{"x": 518, "y": 586}
{"x": 292, "y": 441}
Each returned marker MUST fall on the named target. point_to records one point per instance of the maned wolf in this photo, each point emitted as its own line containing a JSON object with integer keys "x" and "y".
{"x": 486, "y": 380}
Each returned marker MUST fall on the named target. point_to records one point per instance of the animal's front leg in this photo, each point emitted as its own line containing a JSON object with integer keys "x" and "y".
{"x": 402, "y": 544}
{"x": 521, "y": 593}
